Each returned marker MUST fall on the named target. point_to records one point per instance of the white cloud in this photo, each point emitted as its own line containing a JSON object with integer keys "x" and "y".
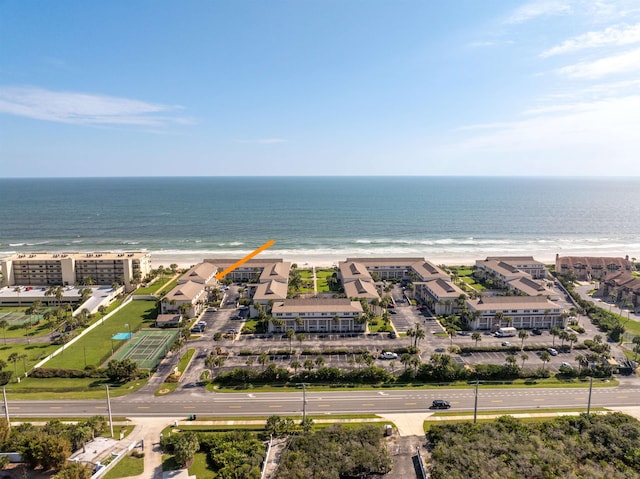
{"x": 539, "y": 8}
{"x": 611, "y": 36}
{"x": 621, "y": 63}
{"x": 85, "y": 108}
{"x": 583, "y": 128}
{"x": 263, "y": 141}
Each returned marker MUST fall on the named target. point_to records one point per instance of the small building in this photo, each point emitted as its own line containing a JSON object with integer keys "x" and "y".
{"x": 168, "y": 320}
{"x": 441, "y": 295}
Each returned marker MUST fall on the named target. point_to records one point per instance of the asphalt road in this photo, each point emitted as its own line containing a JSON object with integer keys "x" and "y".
{"x": 201, "y": 402}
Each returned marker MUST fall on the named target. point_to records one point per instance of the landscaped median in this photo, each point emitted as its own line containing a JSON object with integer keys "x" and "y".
{"x": 173, "y": 380}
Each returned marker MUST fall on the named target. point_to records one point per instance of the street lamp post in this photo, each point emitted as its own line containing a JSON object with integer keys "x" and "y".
{"x": 475, "y": 403}
{"x": 109, "y": 410}
{"x": 304, "y": 402}
{"x": 589, "y": 402}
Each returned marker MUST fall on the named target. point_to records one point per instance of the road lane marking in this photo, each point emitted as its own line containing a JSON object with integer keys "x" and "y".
{"x": 275, "y": 405}
{"x": 496, "y": 400}
{"x": 324, "y": 405}
{"x": 622, "y": 397}
{"x": 368, "y": 404}
{"x": 410, "y": 403}
{"x": 144, "y": 407}
{"x": 538, "y": 399}
{"x": 235, "y": 407}
{"x": 188, "y": 407}
{"x": 55, "y": 407}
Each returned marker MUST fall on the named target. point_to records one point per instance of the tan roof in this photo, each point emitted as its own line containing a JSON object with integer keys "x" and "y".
{"x": 185, "y": 291}
{"x": 516, "y": 260}
{"x": 386, "y": 261}
{"x": 269, "y": 290}
{"x": 442, "y": 288}
{"x": 531, "y": 287}
{"x": 427, "y": 271}
{"x": 276, "y": 271}
{"x": 201, "y": 273}
{"x": 624, "y": 279}
{"x": 351, "y": 271}
{"x": 501, "y": 303}
{"x": 593, "y": 262}
{"x": 168, "y": 318}
{"x": 501, "y": 268}
{"x": 252, "y": 263}
{"x": 360, "y": 289}
{"x": 333, "y": 305}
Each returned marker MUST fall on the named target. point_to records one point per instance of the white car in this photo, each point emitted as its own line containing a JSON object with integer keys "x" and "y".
{"x": 566, "y": 365}
{"x": 388, "y": 355}
{"x": 552, "y": 352}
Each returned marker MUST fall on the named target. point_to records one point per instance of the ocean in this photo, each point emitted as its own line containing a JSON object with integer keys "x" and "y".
{"x": 321, "y": 220}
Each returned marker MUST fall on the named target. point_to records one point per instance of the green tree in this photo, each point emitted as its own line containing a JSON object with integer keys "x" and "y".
{"x": 522, "y": 334}
{"x": 185, "y": 446}
{"x": 74, "y": 470}
{"x": 14, "y": 358}
{"x": 290, "y": 334}
{"x": 545, "y": 357}
{"x": 476, "y": 337}
{"x": 122, "y": 371}
{"x": 3, "y": 325}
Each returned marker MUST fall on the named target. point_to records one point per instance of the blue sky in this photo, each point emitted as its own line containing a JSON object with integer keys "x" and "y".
{"x": 326, "y": 87}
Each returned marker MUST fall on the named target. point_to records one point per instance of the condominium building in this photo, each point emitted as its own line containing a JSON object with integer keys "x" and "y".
{"x": 587, "y": 268}
{"x": 192, "y": 291}
{"x": 62, "y": 269}
{"x": 522, "y": 312}
{"x": 441, "y": 295}
{"x": 252, "y": 270}
{"x": 318, "y": 315}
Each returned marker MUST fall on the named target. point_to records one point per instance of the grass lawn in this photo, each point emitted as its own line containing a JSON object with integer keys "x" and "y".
{"x": 380, "y": 327}
{"x": 96, "y": 345}
{"x": 127, "y": 467}
{"x": 153, "y": 287}
{"x": 322, "y": 275}
{"x": 632, "y": 327}
{"x": 69, "y": 388}
{"x": 200, "y": 467}
{"x": 34, "y": 351}
{"x": 517, "y": 383}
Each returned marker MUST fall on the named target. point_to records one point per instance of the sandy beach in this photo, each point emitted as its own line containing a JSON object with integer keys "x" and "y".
{"x": 326, "y": 261}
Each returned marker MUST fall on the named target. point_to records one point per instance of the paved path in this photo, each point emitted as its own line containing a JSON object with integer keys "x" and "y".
{"x": 149, "y": 429}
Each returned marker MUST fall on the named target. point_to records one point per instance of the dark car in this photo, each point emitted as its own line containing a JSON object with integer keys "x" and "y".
{"x": 536, "y": 332}
{"x": 440, "y": 404}
{"x": 393, "y": 335}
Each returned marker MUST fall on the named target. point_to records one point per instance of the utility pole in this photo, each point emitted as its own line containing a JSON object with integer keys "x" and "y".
{"x": 475, "y": 403}
{"x": 6, "y": 406}
{"x": 304, "y": 403}
{"x": 109, "y": 409}
{"x": 590, "y": 389}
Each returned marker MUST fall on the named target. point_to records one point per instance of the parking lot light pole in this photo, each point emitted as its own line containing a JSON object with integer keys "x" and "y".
{"x": 590, "y": 389}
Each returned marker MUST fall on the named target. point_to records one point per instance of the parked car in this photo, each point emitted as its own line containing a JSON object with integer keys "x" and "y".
{"x": 440, "y": 404}
{"x": 552, "y": 352}
{"x": 393, "y": 311}
{"x": 388, "y": 355}
{"x": 566, "y": 365}
{"x": 393, "y": 335}
{"x": 536, "y": 332}
{"x": 506, "y": 343}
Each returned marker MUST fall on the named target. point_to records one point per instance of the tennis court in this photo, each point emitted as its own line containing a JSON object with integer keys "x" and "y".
{"x": 147, "y": 347}
{"x": 19, "y": 318}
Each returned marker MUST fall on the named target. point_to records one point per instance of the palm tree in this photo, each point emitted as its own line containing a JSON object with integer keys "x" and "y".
{"x": 499, "y": 316}
{"x": 319, "y": 362}
{"x": 582, "y": 361}
{"x": 522, "y": 334}
{"x": 300, "y": 337}
{"x": 451, "y": 331}
{"x": 18, "y": 290}
{"x": 3, "y": 325}
{"x": 299, "y": 322}
{"x": 524, "y": 357}
{"x": 263, "y": 359}
{"x": 573, "y": 338}
{"x": 336, "y": 323}
{"x": 23, "y": 358}
{"x": 102, "y": 309}
{"x": 308, "y": 364}
{"x": 555, "y": 331}
{"x": 564, "y": 336}
{"x": 290, "y": 334}
{"x": 476, "y": 337}
{"x": 295, "y": 364}
{"x": 545, "y": 357}
{"x": 14, "y": 358}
